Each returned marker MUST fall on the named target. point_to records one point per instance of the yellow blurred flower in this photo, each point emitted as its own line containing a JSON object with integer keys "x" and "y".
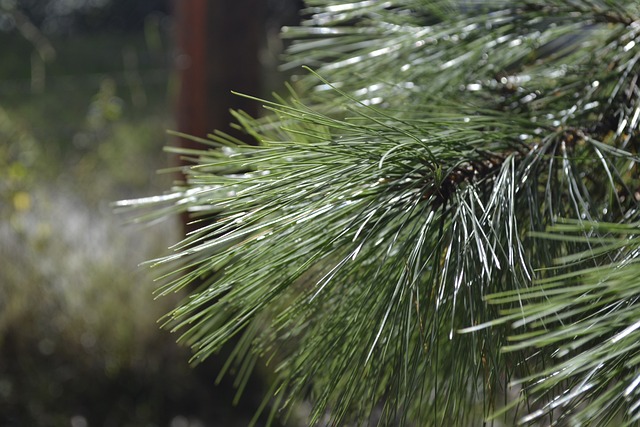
{"x": 22, "y": 201}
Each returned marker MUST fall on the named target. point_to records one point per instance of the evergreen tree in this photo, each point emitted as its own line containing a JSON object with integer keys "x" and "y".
{"x": 439, "y": 226}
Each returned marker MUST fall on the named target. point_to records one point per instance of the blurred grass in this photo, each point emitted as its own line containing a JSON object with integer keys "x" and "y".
{"x": 79, "y": 342}
{"x": 69, "y": 120}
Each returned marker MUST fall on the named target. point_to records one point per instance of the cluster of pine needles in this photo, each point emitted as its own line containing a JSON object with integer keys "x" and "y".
{"x": 439, "y": 225}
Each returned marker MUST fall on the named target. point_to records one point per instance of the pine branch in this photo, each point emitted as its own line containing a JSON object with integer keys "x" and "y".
{"x": 400, "y": 199}
{"x": 583, "y": 317}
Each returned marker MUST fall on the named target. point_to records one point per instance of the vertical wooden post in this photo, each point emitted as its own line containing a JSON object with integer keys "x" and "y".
{"x": 218, "y": 45}
{"x": 192, "y": 105}
{"x": 218, "y": 51}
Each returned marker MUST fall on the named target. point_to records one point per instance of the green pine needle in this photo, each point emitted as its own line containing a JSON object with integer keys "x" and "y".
{"x": 440, "y": 227}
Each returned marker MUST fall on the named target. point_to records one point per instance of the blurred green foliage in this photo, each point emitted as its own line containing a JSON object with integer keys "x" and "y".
{"x": 85, "y": 16}
{"x": 79, "y": 339}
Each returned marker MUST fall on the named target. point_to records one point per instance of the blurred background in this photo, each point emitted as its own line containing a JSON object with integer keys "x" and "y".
{"x": 88, "y": 89}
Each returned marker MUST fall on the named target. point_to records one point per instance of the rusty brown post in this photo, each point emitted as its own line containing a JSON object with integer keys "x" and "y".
{"x": 218, "y": 45}
{"x": 192, "y": 106}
